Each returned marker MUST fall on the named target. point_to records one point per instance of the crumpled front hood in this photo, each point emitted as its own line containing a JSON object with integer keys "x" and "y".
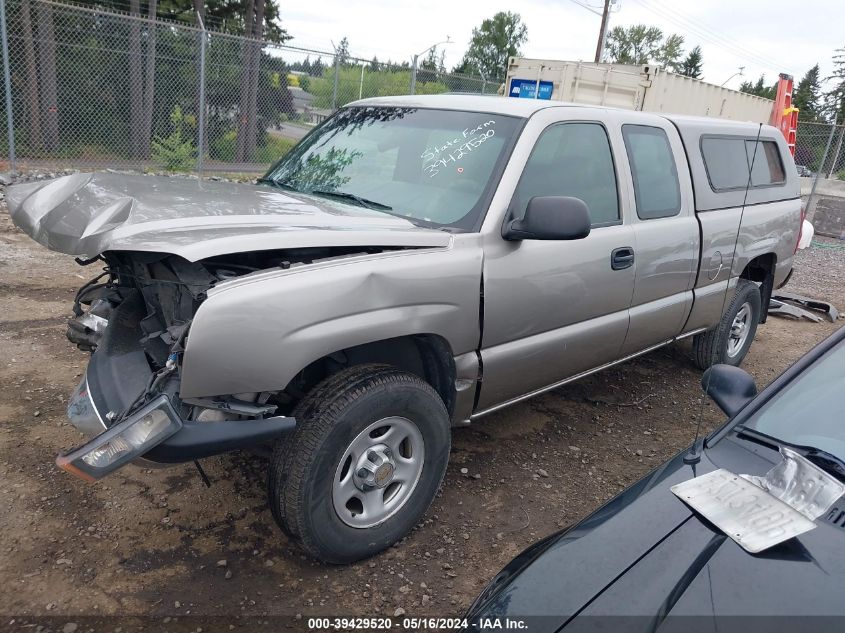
{"x": 88, "y": 214}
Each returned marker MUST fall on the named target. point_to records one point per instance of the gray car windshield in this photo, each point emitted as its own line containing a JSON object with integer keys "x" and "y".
{"x": 808, "y": 411}
{"x": 435, "y": 166}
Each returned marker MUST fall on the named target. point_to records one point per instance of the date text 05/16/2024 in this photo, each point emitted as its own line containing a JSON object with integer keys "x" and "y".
{"x": 416, "y": 624}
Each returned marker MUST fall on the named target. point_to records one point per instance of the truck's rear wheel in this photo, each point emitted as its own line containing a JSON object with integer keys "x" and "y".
{"x": 730, "y": 341}
{"x": 369, "y": 453}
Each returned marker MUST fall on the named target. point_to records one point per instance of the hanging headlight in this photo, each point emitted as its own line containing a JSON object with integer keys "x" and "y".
{"x": 126, "y": 440}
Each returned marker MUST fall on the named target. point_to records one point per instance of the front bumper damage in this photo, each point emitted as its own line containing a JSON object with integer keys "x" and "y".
{"x": 127, "y": 418}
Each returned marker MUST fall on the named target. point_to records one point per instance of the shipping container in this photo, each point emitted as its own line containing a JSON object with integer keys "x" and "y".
{"x": 647, "y": 87}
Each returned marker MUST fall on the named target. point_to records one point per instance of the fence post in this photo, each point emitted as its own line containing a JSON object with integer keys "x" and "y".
{"x": 414, "y": 76}
{"x": 201, "y": 113}
{"x": 336, "y": 74}
{"x": 836, "y": 153}
{"x": 10, "y": 122}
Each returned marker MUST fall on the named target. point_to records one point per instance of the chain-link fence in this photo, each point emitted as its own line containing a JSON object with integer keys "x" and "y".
{"x": 820, "y": 149}
{"x": 92, "y": 88}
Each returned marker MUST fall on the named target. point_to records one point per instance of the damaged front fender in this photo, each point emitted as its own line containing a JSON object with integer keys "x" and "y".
{"x": 256, "y": 333}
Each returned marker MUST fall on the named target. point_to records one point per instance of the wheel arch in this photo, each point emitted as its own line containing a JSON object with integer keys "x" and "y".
{"x": 426, "y": 355}
{"x": 761, "y": 269}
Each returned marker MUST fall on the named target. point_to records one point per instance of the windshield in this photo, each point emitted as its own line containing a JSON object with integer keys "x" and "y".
{"x": 809, "y": 410}
{"x": 430, "y": 165}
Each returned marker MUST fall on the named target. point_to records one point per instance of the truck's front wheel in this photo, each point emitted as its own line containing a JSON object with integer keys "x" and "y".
{"x": 369, "y": 453}
{"x": 730, "y": 341}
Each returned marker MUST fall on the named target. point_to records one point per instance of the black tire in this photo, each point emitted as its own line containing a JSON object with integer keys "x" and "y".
{"x": 711, "y": 347}
{"x": 328, "y": 419}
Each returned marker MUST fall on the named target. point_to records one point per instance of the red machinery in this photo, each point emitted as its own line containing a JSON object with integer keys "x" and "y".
{"x": 784, "y": 115}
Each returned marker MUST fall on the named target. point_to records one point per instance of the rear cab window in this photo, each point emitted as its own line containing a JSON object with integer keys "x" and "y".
{"x": 657, "y": 191}
{"x": 727, "y": 160}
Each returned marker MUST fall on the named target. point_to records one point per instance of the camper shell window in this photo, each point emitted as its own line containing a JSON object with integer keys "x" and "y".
{"x": 727, "y": 160}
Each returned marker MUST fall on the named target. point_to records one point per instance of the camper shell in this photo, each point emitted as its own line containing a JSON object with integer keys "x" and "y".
{"x": 697, "y": 131}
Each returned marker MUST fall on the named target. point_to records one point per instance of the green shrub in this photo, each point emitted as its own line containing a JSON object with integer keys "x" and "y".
{"x": 375, "y": 84}
{"x": 175, "y": 153}
{"x": 841, "y": 174}
{"x": 273, "y": 149}
{"x": 223, "y": 148}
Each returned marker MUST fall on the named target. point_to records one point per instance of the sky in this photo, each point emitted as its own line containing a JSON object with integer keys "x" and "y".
{"x": 764, "y": 36}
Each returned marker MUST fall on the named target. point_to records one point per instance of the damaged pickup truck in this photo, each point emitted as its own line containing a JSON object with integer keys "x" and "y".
{"x": 414, "y": 263}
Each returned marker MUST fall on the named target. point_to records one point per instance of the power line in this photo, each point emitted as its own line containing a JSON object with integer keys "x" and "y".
{"x": 713, "y": 38}
{"x": 709, "y": 37}
{"x": 695, "y": 22}
{"x": 587, "y": 7}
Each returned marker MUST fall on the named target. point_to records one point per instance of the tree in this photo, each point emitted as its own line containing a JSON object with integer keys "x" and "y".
{"x": 430, "y": 61}
{"x": 465, "y": 67}
{"x": 47, "y": 75}
{"x": 247, "y": 109}
{"x": 141, "y": 80}
{"x": 808, "y": 97}
{"x": 759, "y": 88}
{"x": 691, "y": 66}
{"x": 642, "y": 44}
{"x": 136, "y": 82}
{"x": 492, "y": 43}
{"x": 669, "y": 55}
{"x": 199, "y": 12}
{"x": 229, "y": 16}
{"x": 149, "y": 79}
{"x": 432, "y": 65}
{"x": 835, "y": 97}
{"x": 342, "y": 52}
{"x": 32, "y": 100}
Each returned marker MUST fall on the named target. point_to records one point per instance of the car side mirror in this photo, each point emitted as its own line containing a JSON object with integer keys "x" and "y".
{"x": 551, "y": 218}
{"x": 730, "y": 387}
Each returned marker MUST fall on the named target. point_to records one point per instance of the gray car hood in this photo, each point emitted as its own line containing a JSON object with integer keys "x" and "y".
{"x": 88, "y": 214}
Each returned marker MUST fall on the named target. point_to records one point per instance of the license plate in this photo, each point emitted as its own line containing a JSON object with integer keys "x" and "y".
{"x": 752, "y": 517}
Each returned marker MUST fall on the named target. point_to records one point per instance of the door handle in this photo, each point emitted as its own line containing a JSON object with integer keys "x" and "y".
{"x": 622, "y": 257}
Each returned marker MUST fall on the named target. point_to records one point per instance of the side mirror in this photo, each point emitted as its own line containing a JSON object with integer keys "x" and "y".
{"x": 730, "y": 387}
{"x": 551, "y": 218}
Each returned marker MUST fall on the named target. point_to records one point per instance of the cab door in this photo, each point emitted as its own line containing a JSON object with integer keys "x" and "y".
{"x": 666, "y": 236}
{"x": 554, "y": 309}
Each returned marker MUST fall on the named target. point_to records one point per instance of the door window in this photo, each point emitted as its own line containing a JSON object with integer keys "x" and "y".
{"x": 656, "y": 188}
{"x": 572, "y": 159}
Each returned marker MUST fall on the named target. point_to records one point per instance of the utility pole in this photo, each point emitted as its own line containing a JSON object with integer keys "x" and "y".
{"x": 603, "y": 31}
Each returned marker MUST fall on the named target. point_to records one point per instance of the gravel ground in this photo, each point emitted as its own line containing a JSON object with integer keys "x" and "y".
{"x": 157, "y": 543}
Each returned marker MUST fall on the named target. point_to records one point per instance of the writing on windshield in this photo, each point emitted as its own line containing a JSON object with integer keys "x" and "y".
{"x": 435, "y": 158}
{"x": 419, "y": 163}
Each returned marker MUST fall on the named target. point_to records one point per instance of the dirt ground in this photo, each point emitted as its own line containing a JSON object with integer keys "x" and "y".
{"x": 158, "y": 543}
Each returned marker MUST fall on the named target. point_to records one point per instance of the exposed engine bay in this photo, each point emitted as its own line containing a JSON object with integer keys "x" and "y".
{"x": 156, "y": 296}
